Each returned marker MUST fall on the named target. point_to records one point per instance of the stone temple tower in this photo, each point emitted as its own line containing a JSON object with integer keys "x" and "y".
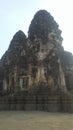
{"x": 46, "y": 41}
{"x": 35, "y": 72}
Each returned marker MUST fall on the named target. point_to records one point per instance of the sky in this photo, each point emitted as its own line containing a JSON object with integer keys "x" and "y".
{"x": 16, "y": 15}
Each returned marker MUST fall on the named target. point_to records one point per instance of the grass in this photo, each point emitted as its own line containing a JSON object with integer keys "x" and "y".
{"x": 21, "y": 120}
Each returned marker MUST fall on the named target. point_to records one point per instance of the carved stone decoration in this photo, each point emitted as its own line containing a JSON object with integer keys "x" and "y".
{"x": 35, "y": 72}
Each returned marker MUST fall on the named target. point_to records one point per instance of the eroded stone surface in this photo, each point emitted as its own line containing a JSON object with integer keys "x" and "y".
{"x": 35, "y": 72}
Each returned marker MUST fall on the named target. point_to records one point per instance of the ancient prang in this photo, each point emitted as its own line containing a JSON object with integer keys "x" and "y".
{"x": 35, "y": 72}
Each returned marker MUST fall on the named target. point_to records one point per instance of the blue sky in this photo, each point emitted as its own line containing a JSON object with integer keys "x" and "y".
{"x": 17, "y": 14}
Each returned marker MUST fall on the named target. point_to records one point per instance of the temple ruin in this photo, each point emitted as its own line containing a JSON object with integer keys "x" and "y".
{"x": 36, "y": 73}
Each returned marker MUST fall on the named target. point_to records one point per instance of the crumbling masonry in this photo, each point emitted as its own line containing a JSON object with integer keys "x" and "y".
{"x": 35, "y": 72}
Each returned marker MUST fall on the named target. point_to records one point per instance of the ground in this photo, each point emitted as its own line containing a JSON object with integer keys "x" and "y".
{"x": 21, "y": 120}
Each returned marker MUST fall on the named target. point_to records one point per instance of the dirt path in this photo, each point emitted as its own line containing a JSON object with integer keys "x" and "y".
{"x": 21, "y": 120}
